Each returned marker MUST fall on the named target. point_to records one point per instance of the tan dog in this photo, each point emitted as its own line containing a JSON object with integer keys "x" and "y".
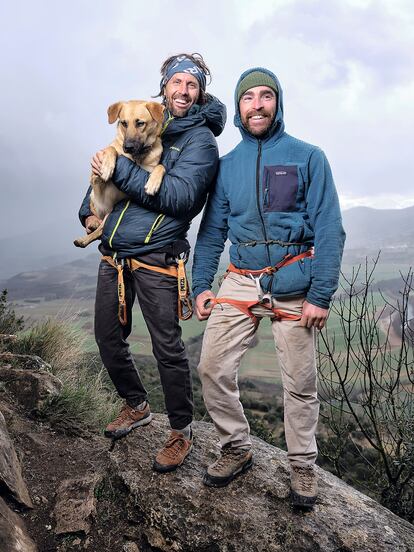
{"x": 138, "y": 138}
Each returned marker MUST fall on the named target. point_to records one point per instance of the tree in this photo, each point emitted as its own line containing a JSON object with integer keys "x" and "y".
{"x": 10, "y": 323}
{"x": 366, "y": 387}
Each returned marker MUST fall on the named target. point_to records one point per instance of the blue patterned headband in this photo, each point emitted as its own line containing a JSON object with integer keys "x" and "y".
{"x": 183, "y": 64}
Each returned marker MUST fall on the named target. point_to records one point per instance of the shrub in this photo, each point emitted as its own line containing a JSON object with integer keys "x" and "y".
{"x": 10, "y": 323}
{"x": 85, "y": 401}
{"x": 56, "y": 341}
{"x": 368, "y": 390}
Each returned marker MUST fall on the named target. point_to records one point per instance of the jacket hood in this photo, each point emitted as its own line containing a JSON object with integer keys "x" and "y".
{"x": 213, "y": 114}
{"x": 278, "y": 125}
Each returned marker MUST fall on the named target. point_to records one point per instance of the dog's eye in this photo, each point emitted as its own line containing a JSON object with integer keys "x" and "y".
{"x": 139, "y": 123}
{"x": 124, "y": 124}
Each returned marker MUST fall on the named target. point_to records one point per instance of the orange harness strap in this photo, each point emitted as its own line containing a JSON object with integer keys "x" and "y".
{"x": 289, "y": 259}
{"x": 246, "y": 306}
{"x": 185, "y": 307}
{"x": 135, "y": 265}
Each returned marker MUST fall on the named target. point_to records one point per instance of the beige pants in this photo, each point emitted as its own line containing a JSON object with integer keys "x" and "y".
{"x": 226, "y": 338}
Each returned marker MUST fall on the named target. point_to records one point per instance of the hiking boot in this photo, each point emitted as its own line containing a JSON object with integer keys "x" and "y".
{"x": 232, "y": 462}
{"x": 173, "y": 453}
{"x": 128, "y": 419}
{"x": 303, "y": 486}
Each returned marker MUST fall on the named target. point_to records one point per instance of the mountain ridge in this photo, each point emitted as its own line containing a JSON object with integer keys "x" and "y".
{"x": 52, "y": 245}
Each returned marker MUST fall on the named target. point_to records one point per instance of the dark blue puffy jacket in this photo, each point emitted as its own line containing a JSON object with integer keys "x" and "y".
{"x": 190, "y": 156}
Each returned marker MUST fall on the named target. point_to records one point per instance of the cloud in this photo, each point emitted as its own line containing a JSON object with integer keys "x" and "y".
{"x": 373, "y": 34}
{"x": 347, "y": 73}
{"x": 346, "y": 68}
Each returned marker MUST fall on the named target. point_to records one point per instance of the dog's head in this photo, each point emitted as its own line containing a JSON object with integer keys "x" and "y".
{"x": 139, "y": 125}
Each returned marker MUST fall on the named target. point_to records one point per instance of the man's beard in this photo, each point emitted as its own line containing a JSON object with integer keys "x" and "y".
{"x": 268, "y": 117}
{"x": 177, "y": 112}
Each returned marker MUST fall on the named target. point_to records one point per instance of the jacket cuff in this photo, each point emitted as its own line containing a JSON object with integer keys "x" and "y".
{"x": 199, "y": 289}
{"x": 317, "y": 300}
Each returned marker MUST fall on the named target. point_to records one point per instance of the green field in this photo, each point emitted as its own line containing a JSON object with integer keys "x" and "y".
{"x": 81, "y": 313}
{"x": 259, "y": 362}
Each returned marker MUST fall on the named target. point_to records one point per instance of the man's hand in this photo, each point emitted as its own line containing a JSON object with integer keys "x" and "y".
{"x": 203, "y": 309}
{"x": 91, "y": 223}
{"x": 313, "y": 316}
{"x": 96, "y": 163}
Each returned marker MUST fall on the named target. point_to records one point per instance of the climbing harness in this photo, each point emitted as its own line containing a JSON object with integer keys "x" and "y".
{"x": 256, "y": 275}
{"x": 247, "y": 306}
{"x": 185, "y": 308}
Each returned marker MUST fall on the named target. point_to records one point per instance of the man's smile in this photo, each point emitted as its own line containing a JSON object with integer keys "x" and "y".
{"x": 182, "y": 102}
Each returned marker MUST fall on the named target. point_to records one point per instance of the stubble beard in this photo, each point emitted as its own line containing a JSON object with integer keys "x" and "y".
{"x": 173, "y": 110}
{"x": 255, "y": 132}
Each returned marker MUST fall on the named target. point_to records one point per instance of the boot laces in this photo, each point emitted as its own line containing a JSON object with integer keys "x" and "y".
{"x": 306, "y": 476}
{"x": 174, "y": 445}
{"x": 228, "y": 456}
{"x": 123, "y": 415}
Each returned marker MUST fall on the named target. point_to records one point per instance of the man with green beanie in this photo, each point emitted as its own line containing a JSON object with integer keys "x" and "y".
{"x": 276, "y": 201}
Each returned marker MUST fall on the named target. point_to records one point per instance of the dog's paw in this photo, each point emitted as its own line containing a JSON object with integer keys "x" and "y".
{"x": 155, "y": 180}
{"x": 79, "y": 243}
{"x": 151, "y": 188}
{"x": 107, "y": 169}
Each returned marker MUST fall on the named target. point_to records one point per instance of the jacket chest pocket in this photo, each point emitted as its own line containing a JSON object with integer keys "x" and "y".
{"x": 171, "y": 154}
{"x": 280, "y": 184}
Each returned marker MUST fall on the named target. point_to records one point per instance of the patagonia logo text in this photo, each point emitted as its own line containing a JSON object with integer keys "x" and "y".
{"x": 175, "y": 148}
{"x": 281, "y": 173}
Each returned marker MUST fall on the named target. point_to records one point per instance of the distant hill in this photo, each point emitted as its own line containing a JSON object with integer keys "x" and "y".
{"x": 379, "y": 228}
{"x": 54, "y": 266}
{"x": 73, "y": 280}
{"x": 45, "y": 247}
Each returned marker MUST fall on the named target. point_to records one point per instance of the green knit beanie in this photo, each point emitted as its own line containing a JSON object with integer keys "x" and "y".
{"x": 256, "y": 78}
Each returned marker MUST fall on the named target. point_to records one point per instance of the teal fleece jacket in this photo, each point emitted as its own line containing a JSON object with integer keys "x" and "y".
{"x": 273, "y": 196}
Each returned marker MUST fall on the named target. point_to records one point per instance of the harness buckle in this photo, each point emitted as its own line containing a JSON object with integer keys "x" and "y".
{"x": 256, "y": 280}
{"x": 182, "y": 257}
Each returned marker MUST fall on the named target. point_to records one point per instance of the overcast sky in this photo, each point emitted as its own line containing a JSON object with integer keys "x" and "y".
{"x": 346, "y": 67}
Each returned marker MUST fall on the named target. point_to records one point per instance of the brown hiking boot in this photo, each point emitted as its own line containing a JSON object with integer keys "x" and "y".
{"x": 303, "y": 486}
{"x": 173, "y": 453}
{"x": 232, "y": 462}
{"x": 128, "y": 419}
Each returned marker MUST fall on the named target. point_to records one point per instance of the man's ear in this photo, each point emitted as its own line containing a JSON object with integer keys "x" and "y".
{"x": 157, "y": 111}
{"x": 113, "y": 112}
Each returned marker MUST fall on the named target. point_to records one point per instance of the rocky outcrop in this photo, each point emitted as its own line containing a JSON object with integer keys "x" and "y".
{"x": 89, "y": 497}
{"x": 10, "y": 470}
{"x": 76, "y": 504}
{"x": 28, "y": 362}
{"x": 13, "y": 534}
{"x": 176, "y": 513}
{"x": 28, "y": 378}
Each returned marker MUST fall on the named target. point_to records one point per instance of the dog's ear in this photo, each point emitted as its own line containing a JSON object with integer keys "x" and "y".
{"x": 156, "y": 110}
{"x": 113, "y": 112}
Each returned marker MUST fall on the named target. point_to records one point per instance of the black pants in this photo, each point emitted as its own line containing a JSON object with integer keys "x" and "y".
{"x": 157, "y": 296}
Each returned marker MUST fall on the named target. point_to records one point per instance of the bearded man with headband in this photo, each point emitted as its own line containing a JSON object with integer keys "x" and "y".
{"x": 152, "y": 230}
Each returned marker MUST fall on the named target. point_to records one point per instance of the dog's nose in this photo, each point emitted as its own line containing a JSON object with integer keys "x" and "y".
{"x": 129, "y": 147}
